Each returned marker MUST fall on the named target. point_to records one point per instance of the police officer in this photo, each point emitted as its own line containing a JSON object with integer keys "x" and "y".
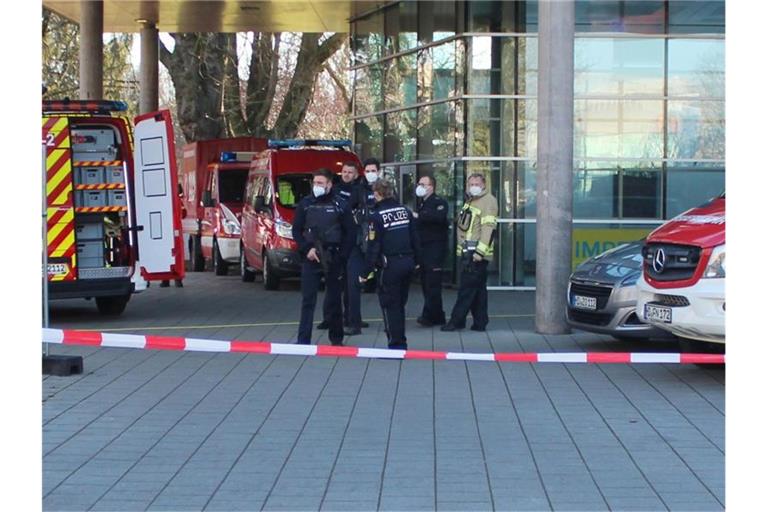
{"x": 352, "y": 190}
{"x": 393, "y": 248}
{"x": 432, "y": 225}
{"x": 323, "y": 230}
{"x": 475, "y": 229}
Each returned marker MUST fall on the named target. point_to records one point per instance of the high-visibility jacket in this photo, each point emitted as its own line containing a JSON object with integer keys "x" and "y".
{"x": 475, "y": 225}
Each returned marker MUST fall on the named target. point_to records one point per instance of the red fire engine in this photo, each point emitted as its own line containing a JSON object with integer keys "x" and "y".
{"x": 113, "y": 219}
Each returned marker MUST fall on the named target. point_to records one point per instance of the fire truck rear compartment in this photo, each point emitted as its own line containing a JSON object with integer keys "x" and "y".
{"x": 101, "y": 236}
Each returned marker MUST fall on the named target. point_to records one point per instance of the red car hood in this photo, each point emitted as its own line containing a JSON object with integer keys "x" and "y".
{"x": 703, "y": 226}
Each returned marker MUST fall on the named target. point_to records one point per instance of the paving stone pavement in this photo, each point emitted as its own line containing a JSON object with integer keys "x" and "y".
{"x": 164, "y": 430}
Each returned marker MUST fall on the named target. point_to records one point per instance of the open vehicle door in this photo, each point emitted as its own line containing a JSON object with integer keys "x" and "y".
{"x": 158, "y": 209}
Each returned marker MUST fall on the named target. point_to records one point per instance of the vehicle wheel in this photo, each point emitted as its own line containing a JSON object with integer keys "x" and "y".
{"x": 271, "y": 281}
{"x": 196, "y": 254}
{"x": 246, "y": 275}
{"x": 220, "y": 267}
{"x": 112, "y": 305}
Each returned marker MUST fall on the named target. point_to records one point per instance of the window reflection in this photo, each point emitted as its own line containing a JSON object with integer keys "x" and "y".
{"x": 368, "y": 39}
{"x": 368, "y": 136}
{"x": 700, "y": 17}
{"x": 491, "y": 127}
{"x": 619, "y": 66}
{"x": 697, "y": 68}
{"x": 696, "y": 129}
{"x": 618, "y": 128}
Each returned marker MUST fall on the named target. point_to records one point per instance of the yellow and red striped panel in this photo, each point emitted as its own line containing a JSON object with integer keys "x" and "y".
{"x": 98, "y": 163}
{"x": 58, "y": 165}
{"x": 100, "y": 209}
{"x": 101, "y": 186}
{"x": 61, "y": 239}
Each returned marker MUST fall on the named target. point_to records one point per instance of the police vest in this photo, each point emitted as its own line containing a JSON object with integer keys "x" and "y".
{"x": 396, "y": 235}
{"x": 323, "y": 222}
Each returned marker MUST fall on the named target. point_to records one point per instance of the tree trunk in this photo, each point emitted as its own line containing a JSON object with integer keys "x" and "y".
{"x": 197, "y": 67}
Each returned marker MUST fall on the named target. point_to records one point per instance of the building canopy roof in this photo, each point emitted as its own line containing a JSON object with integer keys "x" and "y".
{"x": 223, "y": 15}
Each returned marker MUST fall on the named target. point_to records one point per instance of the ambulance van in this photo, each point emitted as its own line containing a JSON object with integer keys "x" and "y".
{"x": 112, "y": 215}
{"x": 683, "y": 285}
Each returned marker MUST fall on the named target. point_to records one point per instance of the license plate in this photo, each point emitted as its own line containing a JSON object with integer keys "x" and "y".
{"x": 579, "y": 301}
{"x": 658, "y": 314}
{"x": 58, "y": 269}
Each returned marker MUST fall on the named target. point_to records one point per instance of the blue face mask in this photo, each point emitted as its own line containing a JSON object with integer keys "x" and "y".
{"x": 318, "y": 191}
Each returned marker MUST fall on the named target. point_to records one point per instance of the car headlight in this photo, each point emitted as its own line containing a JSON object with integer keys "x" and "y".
{"x": 631, "y": 279}
{"x": 716, "y": 265}
{"x": 284, "y": 229}
{"x": 231, "y": 227}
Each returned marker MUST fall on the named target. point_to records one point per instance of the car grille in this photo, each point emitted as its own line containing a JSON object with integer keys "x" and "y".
{"x": 681, "y": 261}
{"x": 586, "y": 317}
{"x": 601, "y": 293}
{"x": 671, "y": 300}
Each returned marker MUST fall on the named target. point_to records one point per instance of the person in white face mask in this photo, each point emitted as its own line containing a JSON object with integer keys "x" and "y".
{"x": 323, "y": 229}
{"x": 432, "y": 226}
{"x": 475, "y": 231}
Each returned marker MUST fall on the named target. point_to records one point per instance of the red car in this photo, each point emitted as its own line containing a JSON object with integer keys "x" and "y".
{"x": 278, "y": 179}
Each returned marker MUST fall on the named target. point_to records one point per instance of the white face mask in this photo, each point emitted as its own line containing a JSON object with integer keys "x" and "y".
{"x": 421, "y": 191}
{"x": 318, "y": 191}
{"x": 475, "y": 191}
{"x": 371, "y": 176}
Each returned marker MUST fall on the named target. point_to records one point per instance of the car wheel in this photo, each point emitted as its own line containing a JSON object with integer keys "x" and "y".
{"x": 220, "y": 266}
{"x": 271, "y": 281}
{"x": 196, "y": 254}
{"x": 246, "y": 275}
{"x": 112, "y": 305}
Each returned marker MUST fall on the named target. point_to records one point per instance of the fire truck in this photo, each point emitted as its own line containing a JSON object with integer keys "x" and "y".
{"x": 213, "y": 176}
{"x": 112, "y": 214}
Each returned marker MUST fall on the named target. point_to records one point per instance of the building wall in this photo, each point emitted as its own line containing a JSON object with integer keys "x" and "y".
{"x": 450, "y": 88}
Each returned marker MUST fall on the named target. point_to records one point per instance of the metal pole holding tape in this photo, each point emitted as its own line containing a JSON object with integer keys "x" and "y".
{"x": 45, "y": 246}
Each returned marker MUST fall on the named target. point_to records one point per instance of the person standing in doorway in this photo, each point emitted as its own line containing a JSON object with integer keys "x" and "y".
{"x": 475, "y": 230}
{"x": 323, "y": 229}
{"x": 393, "y": 250}
{"x": 432, "y": 225}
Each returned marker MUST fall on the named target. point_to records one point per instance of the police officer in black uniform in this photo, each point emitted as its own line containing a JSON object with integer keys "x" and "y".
{"x": 323, "y": 229}
{"x": 393, "y": 248}
{"x": 432, "y": 225}
{"x": 359, "y": 197}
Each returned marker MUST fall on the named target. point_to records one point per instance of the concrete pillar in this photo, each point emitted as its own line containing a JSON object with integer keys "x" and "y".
{"x": 554, "y": 176}
{"x": 148, "y": 69}
{"x": 91, "y": 50}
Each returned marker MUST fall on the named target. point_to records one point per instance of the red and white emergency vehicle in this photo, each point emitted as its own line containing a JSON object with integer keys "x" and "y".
{"x": 113, "y": 221}
{"x": 278, "y": 179}
{"x": 683, "y": 285}
{"x": 213, "y": 177}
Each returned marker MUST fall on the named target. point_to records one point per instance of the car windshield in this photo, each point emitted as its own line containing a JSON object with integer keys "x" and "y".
{"x": 232, "y": 185}
{"x": 292, "y": 188}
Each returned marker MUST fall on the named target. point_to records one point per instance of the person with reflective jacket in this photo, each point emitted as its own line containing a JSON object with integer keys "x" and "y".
{"x": 323, "y": 230}
{"x": 393, "y": 251}
{"x": 475, "y": 231}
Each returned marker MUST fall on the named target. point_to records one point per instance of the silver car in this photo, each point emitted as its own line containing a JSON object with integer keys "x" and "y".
{"x": 602, "y": 295}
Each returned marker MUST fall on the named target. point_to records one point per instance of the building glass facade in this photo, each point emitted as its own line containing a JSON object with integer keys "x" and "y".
{"x": 449, "y": 88}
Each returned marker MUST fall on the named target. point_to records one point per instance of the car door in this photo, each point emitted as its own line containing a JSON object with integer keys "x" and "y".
{"x": 158, "y": 212}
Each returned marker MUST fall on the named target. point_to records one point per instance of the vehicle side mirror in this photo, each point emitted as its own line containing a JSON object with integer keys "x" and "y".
{"x": 207, "y": 200}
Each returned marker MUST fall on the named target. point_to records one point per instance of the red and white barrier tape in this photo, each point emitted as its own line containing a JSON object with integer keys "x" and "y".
{"x": 67, "y": 337}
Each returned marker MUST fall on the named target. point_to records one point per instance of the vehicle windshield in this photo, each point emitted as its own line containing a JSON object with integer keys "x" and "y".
{"x": 232, "y": 185}
{"x": 292, "y": 188}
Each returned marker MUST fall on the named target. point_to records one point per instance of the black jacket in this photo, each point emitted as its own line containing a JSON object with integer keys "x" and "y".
{"x": 343, "y": 217}
{"x": 432, "y": 223}
{"x": 391, "y": 233}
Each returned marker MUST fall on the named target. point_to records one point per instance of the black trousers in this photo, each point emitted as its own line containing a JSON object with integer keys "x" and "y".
{"x": 432, "y": 257}
{"x": 393, "y": 284}
{"x": 472, "y": 295}
{"x": 311, "y": 273}
{"x": 351, "y": 290}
